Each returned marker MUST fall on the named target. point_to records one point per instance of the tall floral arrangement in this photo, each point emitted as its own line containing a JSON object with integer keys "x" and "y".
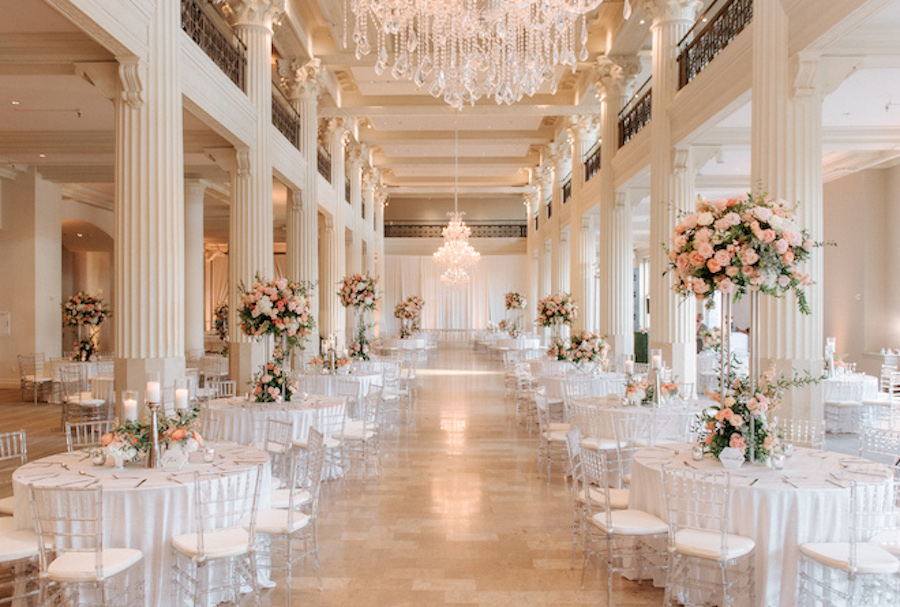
{"x": 220, "y": 325}
{"x": 587, "y": 347}
{"x": 733, "y": 245}
{"x": 359, "y": 291}
{"x": 271, "y": 384}
{"x": 409, "y": 311}
{"x": 85, "y": 310}
{"x": 558, "y": 349}
{"x": 559, "y": 309}
{"x": 515, "y": 301}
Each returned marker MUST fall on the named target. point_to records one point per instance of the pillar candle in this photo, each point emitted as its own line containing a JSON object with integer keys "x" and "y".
{"x": 629, "y": 367}
{"x": 129, "y": 409}
{"x": 153, "y": 392}
{"x": 657, "y": 361}
{"x": 181, "y": 399}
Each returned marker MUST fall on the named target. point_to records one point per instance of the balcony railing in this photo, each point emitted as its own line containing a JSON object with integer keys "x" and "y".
{"x": 592, "y": 162}
{"x": 434, "y": 230}
{"x": 323, "y": 163}
{"x": 362, "y": 209}
{"x": 220, "y": 45}
{"x": 285, "y": 118}
{"x": 347, "y": 190}
{"x": 567, "y": 189}
{"x": 719, "y": 25}
{"x": 548, "y": 204}
{"x": 537, "y": 221}
{"x": 636, "y": 113}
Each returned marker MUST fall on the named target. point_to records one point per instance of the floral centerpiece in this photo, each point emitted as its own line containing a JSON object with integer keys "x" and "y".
{"x": 638, "y": 391}
{"x": 668, "y": 391}
{"x": 330, "y": 363}
{"x": 127, "y": 442}
{"x": 85, "y": 310}
{"x": 409, "y": 312}
{"x": 279, "y": 308}
{"x": 271, "y": 384}
{"x": 360, "y": 349}
{"x": 515, "y": 301}
{"x": 220, "y": 325}
{"x": 181, "y": 431}
{"x": 558, "y": 349}
{"x": 710, "y": 339}
{"x": 736, "y": 244}
{"x": 741, "y": 418}
{"x": 131, "y": 440}
{"x": 358, "y": 291}
{"x": 587, "y": 347}
{"x": 554, "y": 311}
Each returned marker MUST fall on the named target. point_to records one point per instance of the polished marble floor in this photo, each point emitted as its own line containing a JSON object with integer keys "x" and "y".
{"x": 458, "y": 515}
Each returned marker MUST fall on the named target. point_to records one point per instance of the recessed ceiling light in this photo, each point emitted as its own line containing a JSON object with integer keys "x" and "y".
{"x": 42, "y": 155}
{"x": 79, "y": 234}
{"x": 643, "y": 21}
{"x": 14, "y": 102}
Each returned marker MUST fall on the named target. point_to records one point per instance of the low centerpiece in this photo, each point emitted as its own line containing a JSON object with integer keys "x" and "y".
{"x": 85, "y": 311}
{"x": 556, "y": 311}
{"x": 587, "y": 349}
{"x": 359, "y": 291}
{"x": 279, "y": 308}
{"x": 131, "y": 440}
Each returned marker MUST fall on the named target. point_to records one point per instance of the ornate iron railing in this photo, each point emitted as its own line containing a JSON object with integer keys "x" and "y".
{"x": 347, "y": 189}
{"x": 636, "y": 113}
{"x": 225, "y": 49}
{"x": 719, "y": 25}
{"x": 567, "y": 189}
{"x": 548, "y": 204}
{"x": 537, "y": 221}
{"x": 285, "y": 118}
{"x": 592, "y": 162}
{"x": 323, "y": 163}
{"x": 362, "y": 209}
{"x": 434, "y": 230}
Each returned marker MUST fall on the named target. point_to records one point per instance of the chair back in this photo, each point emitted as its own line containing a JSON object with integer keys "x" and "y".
{"x": 879, "y": 444}
{"x": 372, "y": 409}
{"x": 13, "y": 453}
{"x": 31, "y": 364}
{"x": 871, "y": 512}
{"x": 670, "y": 426}
{"x": 600, "y": 474}
{"x": 68, "y": 519}
{"x": 311, "y": 466}
{"x": 697, "y": 500}
{"x": 583, "y": 414}
{"x": 86, "y": 435}
{"x": 226, "y": 499}
{"x": 226, "y": 388}
{"x": 802, "y": 432}
{"x": 884, "y": 381}
{"x": 70, "y": 381}
{"x": 576, "y": 469}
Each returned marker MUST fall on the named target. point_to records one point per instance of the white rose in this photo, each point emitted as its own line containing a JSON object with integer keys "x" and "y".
{"x": 704, "y": 219}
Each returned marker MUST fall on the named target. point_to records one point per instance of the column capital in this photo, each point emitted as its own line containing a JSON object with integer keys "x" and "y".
{"x": 254, "y": 13}
{"x": 615, "y": 74}
{"x": 381, "y": 197}
{"x": 558, "y": 152}
{"x": 122, "y": 79}
{"x": 357, "y": 153}
{"x": 621, "y": 198}
{"x": 583, "y": 126}
{"x": 805, "y": 69}
{"x": 371, "y": 178}
{"x": 301, "y": 79}
{"x": 682, "y": 160}
{"x": 328, "y": 224}
{"x": 332, "y": 129}
{"x": 296, "y": 200}
{"x": 664, "y": 11}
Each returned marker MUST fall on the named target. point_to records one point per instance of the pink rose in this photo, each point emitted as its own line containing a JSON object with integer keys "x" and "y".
{"x": 732, "y": 271}
{"x": 792, "y": 238}
{"x": 705, "y": 249}
{"x": 726, "y": 286}
{"x": 767, "y": 236}
{"x": 700, "y": 287}
{"x": 713, "y": 266}
{"x": 720, "y": 204}
{"x": 788, "y": 257}
{"x": 749, "y": 256}
{"x": 696, "y": 258}
{"x": 733, "y": 218}
{"x": 737, "y": 442}
{"x": 722, "y": 224}
{"x": 781, "y": 246}
{"x": 723, "y": 257}
{"x": 784, "y": 281}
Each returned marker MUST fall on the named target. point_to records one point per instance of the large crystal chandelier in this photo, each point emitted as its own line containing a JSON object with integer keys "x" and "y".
{"x": 468, "y": 49}
{"x": 456, "y": 253}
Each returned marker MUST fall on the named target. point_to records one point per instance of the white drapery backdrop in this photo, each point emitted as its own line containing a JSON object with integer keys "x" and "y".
{"x": 467, "y": 306}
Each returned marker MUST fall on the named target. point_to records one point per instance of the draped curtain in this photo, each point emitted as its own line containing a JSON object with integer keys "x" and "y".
{"x": 467, "y": 306}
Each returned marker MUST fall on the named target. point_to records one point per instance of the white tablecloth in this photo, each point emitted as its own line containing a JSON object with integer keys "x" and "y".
{"x": 328, "y": 384}
{"x": 683, "y": 415}
{"x": 777, "y": 516}
{"x": 555, "y": 383}
{"x": 857, "y": 387}
{"x": 145, "y": 517}
{"x": 241, "y": 421}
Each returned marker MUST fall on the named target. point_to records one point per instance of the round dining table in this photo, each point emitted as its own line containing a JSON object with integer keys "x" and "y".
{"x": 807, "y": 501}
{"x": 143, "y": 508}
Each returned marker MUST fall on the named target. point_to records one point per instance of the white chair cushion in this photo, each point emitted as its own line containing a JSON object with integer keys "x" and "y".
{"x": 217, "y": 544}
{"x": 80, "y": 566}
{"x": 599, "y": 444}
{"x": 555, "y": 436}
{"x": 357, "y": 433}
{"x": 330, "y": 443}
{"x": 275, "y": 522}
{"x": 618, "y": 497}
{"x": 6, "y": 505}
{"x": 16, "y": 544}
{"x": 888, "y": 540}
{"x": 281, "y": 498}
{"x": 85, "y": 400}
{"x": 631, "y": 522}
{"x": 560, "y": 427}
{"x": 36, "y": 379}
{"x": 843, "y": 403}
{"x": 870, "y": 558}
{"x": 708, "y": 544}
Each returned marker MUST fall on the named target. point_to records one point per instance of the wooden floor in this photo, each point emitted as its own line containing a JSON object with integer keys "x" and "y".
{"x": 458, "y": 516}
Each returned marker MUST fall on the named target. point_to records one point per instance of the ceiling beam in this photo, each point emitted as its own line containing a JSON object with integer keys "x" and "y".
{"x": 374, "y": 137}
{"x": 464, "y": 191}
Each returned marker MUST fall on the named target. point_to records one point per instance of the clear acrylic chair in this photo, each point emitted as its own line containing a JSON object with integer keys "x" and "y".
{"x": 697, "y": 506}
{"x": 360, "y": 440}
{"x": 31, "y": 375}
{"x": 277, "y": 442}
{"x": 13, "y": 453}
{"x": 801, "y": 432}
{"x": 879, "y": 444}
{"x": 74, "y": 560}
{"x": 584, "y": 414}
{"x": 330, "y": 421}
{"x": 78, "y": 404}
{"x": 552, "y": 438}
{"x": 854, "y": 572}
{"x": 225, "y": 509}
{"x": 879, "y": 413}
{"x": 86, "y": 435}
{"x": 296, "y": 520}
{"x": 631, "y": 541}
{"x": 672, "y": 426}
{"x": 19, "y": 565}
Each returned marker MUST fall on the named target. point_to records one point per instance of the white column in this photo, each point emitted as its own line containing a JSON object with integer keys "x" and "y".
{"x": 379, "y": 200}
{"x": 149, "y": 211}
{"x": 617, "y": 240}
{"x": 786, "y": 159}
{"x": 328, "y": 268}
{"x": 295, "y": 247}
{"x": 300, "y": 80}
{"x": 193, "y": 268}
{"x": 337, "y": 134}
{"x": 250, "y": 237}
{"x": 584, "y": 275}
{"x": 672, "y": 326}
{"x": 356, "y": 156}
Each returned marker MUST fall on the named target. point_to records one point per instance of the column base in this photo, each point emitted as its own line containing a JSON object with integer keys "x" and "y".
{"x": 244, "y": 360}
{"x": 133, "y": 373}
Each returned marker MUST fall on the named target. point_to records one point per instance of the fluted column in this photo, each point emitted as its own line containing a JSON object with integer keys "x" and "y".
{"x": 357, "y": 154}
{"x": 300, "y": 82}
{"x": 193, "y": 268}
{"x": 672, "y": 327}
{"x": 786, "y": 159}
{"x": 581, "y": 256}
{"x": 616, "y": 262}
{"x": 250, "y": 243}
{"x": 328, "y": 248}
{"x": 149, "y": 210}
{"x": 379, "y": 200}
{"x": 295, "y": 247}
{"x": 584, "y": 274}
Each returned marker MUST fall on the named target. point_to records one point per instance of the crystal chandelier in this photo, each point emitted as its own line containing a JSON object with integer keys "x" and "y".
{"x": 468, "y": 49}
{"x": 456, "y": 253}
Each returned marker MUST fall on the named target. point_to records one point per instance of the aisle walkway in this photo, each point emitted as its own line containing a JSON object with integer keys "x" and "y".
{"x": 459, "y": 516}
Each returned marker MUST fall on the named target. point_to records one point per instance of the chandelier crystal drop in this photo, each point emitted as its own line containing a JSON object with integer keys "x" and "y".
{"x": 467, "y": 49}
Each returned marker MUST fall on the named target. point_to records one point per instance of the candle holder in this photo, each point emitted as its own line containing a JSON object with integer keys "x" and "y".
{"x": 153, "y": 456}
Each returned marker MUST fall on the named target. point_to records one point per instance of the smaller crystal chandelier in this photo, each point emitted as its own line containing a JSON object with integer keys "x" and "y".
{"x": 456, "y": 253}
